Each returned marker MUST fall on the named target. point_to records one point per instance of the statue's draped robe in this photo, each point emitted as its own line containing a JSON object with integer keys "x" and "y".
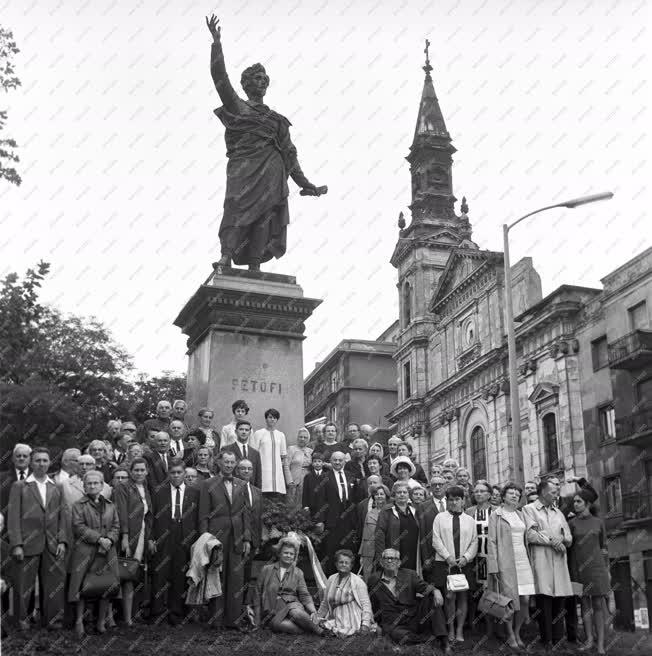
{"x": 261, "y": 156}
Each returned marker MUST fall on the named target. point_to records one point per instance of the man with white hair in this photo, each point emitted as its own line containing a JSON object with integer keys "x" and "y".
{"x": 179, "y": 409}
{"x": 19, "y": 471}
{"x": 392, "y": 450}
{"x": 366, "y": 431}
{"x": 68, "y": 465}
{"x": 113, "y": 430}
{"x": 162, "y": 420}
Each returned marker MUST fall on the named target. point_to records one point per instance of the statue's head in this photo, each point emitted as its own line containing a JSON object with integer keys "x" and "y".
{"x": 254, "y": 81}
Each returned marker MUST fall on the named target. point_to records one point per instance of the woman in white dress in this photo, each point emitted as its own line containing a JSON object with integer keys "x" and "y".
{"x": 508, "y": 561}
{"x": 270, "y": 443}
{"x": 300, "y": 459}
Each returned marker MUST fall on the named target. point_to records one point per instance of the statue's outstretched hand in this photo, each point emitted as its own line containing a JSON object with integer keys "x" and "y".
{"x": 312, "y": 190}
{"x": 213, "y": 27}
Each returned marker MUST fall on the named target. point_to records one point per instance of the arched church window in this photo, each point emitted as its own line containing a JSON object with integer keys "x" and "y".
{"x": 551, "y": 445}
{"x": 407, "y": 304}
{"x": 478, "y": 453}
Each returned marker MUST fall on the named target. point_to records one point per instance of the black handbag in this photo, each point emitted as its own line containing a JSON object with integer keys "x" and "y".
{"x": 128, "y": 569}
{"x": 100, "y": 580}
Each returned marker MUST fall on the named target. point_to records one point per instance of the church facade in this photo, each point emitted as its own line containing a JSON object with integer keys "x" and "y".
{"x": 451, "y": 350}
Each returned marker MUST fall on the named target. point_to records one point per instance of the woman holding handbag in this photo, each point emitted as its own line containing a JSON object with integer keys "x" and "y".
{"x": 134, "y": 505}
{"x": 508, "y": 562}
{"x": 456, "y": 545}
{"x": 94, "y": 564}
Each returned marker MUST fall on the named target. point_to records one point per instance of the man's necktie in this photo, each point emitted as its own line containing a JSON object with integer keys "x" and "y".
{"x": 244, "y": 451}
{"x": 251, "y": 501}
{"x": 441, "y": 506}
{"x": 22, "y": 475}
{"x": 178, "y": 447}
{"x": 342, "y": 488}
{"x": 177, "y": 505}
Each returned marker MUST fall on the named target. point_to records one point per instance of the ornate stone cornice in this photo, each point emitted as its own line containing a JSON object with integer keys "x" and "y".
{"x": 245, "y": 311}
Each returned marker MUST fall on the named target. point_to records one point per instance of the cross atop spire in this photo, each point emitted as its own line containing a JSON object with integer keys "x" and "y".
{"x": 430, "y": 120}
{"x": 427, "y": 68}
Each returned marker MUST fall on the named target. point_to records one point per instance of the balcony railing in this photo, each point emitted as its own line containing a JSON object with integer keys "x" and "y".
{"x": 631, "y": 351}
{"x": 636, "y": 428}
{"x": 637, "y": 507}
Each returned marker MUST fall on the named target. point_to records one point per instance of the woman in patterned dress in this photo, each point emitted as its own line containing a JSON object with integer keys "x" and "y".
{"x": 480, "y": 513}
{"x": 345, "y": 608}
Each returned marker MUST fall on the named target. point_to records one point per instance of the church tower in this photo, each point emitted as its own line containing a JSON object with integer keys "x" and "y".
{"x": 421, "y": 253}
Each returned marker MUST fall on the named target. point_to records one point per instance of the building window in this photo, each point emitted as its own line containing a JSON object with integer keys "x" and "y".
{"x": 333, "y": 414}
{"x": 638, "y": 316}
{"x": 407, "y": 381}
{"x": 644, "y": 394}
{"x": 551, "y": 447}
{"x": 599, "y": 353}
{"x": 607, "y": 417}
{"x": 334, "y": 381}
{"x": 407, "y": 304}
{"x": 478, "y": 454}
{"x": 613, "y": 496}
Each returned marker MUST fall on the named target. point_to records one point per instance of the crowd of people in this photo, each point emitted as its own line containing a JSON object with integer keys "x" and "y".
{"x": 163, "y": 523}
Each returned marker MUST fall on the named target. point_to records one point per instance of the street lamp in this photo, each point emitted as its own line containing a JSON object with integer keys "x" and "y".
{"x": 511, "y": 332}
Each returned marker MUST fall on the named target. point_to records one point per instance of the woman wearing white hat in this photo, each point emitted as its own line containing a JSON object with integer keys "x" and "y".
{"x": 403, "y": 469}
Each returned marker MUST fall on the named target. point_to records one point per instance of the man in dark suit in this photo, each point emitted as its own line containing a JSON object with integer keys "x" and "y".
{"x": 242, "y": 449}
{"x": 18, "y": 471}
{"x": 426, "y": 516}
{"x": 175, "y": 529}
{"x": 157, "y": 462}
{"x": 254, "y": 501}
{"x": 313, "y": 496}
{"x": 38, "y": 538}
{"x": 223, "y": 512}
{"x": 342, "y": 493}
{"x": 398, "y": 611}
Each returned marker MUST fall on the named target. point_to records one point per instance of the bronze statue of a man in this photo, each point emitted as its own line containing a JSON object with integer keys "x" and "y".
{"x": 261, "y": 157}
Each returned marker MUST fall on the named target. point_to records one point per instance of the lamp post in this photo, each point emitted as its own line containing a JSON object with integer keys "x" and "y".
{"x": 515, "y": 435}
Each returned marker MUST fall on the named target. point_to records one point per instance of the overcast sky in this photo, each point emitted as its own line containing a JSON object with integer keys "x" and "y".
{"x": 123, "y": 161}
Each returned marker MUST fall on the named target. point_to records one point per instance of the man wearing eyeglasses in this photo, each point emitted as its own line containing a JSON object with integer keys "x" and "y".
{"x": 402, "y": 616}
{"x": 427, "y": 512}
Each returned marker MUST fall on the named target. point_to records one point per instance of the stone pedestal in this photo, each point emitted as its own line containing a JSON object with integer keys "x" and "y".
{"x": 245, "y": 332}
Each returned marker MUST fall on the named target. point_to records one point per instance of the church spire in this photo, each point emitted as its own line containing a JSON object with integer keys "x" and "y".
{"x": 430, "y": 120}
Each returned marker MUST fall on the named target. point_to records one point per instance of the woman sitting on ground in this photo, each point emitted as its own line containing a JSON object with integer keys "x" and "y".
{"x": 282, "y": 601}
{"x": 345, "y": 608}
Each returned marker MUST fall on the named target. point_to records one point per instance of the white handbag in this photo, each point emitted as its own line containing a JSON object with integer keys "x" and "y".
{"x": 457, "y": 583}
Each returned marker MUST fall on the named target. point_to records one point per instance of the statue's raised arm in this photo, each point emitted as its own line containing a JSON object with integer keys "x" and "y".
{"x": 227, "y": 93}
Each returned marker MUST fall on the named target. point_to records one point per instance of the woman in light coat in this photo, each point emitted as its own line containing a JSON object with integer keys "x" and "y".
{"x": 95, "y": 529}
{"x": 549, "y": 537}
{"x": 508, "y": 561}
{"x": 452, "y": 558}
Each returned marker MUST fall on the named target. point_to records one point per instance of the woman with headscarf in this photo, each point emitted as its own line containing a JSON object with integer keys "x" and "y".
{"x": 282, "y": 601}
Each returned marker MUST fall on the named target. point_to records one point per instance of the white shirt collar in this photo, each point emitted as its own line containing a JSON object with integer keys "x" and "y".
{"x": 31, "y": 479}
{"x": 181, "y": 487}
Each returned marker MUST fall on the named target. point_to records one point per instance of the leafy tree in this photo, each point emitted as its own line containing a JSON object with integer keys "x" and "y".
{"x": 149, "y": 391}
{"x": 8, "y": 80}
{"x": 62, "y": 377}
